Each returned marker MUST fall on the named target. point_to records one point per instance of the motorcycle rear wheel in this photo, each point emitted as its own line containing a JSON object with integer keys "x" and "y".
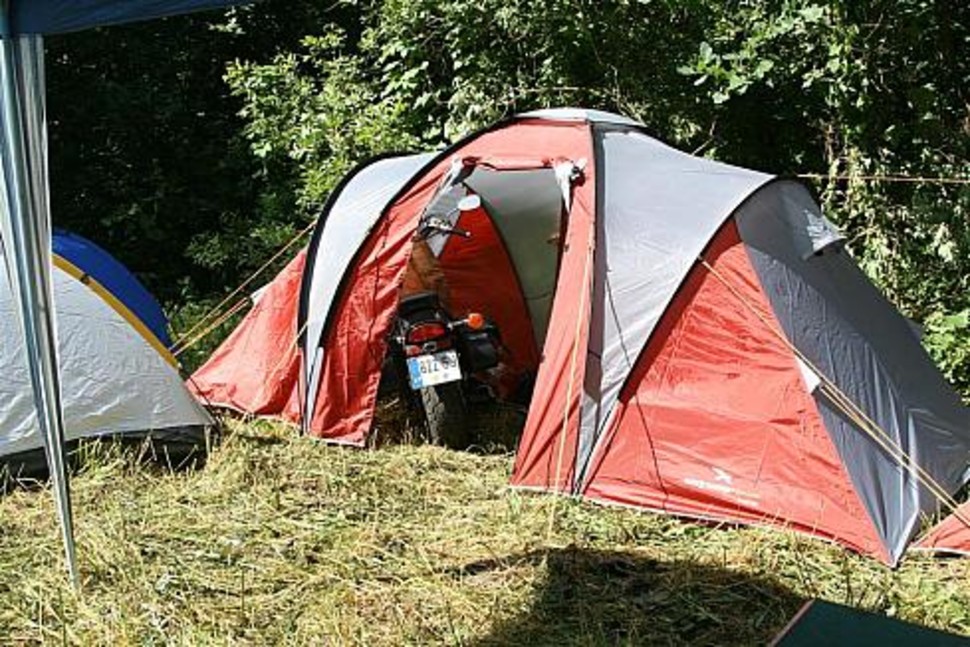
{"x": 446, "y": 415}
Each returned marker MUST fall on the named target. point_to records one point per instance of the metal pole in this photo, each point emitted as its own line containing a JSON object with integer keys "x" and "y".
{"x": 25, "y": 233}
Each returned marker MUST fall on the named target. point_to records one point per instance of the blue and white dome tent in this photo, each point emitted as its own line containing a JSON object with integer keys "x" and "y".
{"x": 97, "y": 268}
{"x": 118, "y": 378}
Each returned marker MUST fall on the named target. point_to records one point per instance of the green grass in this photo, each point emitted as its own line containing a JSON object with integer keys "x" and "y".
{"x": 282, "y": 540}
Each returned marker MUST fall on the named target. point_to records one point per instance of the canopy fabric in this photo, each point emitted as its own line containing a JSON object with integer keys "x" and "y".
{"x": 59, "y": 16}
{"x": 825, "y": 623}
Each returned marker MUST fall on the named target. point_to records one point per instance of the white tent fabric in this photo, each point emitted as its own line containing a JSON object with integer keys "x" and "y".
{"x": 112, "y": 380}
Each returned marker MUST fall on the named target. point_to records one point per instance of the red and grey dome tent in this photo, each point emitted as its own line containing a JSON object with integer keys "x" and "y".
{"x": 256, "y": 370}
{"x": 951, "y": 536}
{"x": 701, "y": 342}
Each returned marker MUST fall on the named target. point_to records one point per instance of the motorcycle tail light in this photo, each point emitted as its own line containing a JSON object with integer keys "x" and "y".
{"x": 475, "y": 320}
{"x": 426, "y": 332}
{"x": 413, "y": 351}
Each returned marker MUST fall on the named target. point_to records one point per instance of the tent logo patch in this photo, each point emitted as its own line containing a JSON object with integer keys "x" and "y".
{"x": 723, "y": 483}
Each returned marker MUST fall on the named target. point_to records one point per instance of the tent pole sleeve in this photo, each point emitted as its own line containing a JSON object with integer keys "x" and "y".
{"x": 25, "y": 233}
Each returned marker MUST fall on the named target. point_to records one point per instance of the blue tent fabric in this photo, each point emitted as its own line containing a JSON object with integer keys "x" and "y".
{"x": 115, "y": 277}
{"x": 59, "y": 16}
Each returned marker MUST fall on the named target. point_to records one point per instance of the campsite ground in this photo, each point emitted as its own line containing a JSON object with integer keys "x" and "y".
{"x": 281, "y": 540}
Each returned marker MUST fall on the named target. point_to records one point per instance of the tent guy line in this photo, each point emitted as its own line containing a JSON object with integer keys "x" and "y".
{"x": 177, "y": 346}
{"x": 573, "y": 361}
{"x": 221, "y": 319}
{"x": 907, "y": 179}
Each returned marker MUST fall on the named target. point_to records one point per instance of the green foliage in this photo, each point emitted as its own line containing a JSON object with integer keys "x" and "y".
{"x": 146, "y": 161}
{"x": 211, "y": 140}
{"x": 422, "y": 73}
{"x": 948, "y": 341}
{"x": 318, "y": 111}
{"x": 146, "y": 153}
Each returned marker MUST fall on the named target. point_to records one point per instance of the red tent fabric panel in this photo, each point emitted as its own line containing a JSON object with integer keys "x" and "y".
{"x": 355, "y": 342}
{"x": 554, "y": 412}
{"x": 480, "y": 278}
{"x": 355, "y": 339}
{"x": 952, "y": 535}
{"x": 716, "y": 421}
{"x": 256, "y": 369}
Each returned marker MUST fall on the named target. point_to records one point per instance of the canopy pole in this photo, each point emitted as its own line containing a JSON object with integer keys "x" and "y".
{"x": 25, "y": 234}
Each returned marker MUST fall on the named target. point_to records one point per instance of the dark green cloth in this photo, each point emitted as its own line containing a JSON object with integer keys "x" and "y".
{"x": 834, "y": 625}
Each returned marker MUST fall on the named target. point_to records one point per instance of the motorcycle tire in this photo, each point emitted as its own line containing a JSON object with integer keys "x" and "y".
{"x": 446, "y": 415}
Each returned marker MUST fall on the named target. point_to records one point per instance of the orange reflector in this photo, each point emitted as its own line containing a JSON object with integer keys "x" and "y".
{"x": 475, "y": 320}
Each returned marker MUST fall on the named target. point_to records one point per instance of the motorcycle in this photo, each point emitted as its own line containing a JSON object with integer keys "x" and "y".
{"x": 441, "y": 361}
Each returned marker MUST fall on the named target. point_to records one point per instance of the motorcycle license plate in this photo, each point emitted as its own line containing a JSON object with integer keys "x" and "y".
{"x": 429, "y": 370}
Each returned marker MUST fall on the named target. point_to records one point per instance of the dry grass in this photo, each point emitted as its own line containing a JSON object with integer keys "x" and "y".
{"x": 281, "y": 540}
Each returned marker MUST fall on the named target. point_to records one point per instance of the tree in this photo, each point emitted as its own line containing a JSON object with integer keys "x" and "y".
{"x": 146, "y": 151}
{"x": 195, "y": 181}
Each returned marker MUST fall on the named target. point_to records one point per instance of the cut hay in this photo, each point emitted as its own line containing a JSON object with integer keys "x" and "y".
{"x": 283, "y": 540}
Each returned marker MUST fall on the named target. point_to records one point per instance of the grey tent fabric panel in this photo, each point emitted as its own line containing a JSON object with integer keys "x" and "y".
{"x": 580, "y": 114}
{"x": 345, "y": 229}
{"x": 526, "y": 207}
{"x": 890, "y": 492}
{"x": 659, "y": 209}
{"x": 834, "y": 315}
{"x": 816, "y": 233}
{"x": 809, "y": 230}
